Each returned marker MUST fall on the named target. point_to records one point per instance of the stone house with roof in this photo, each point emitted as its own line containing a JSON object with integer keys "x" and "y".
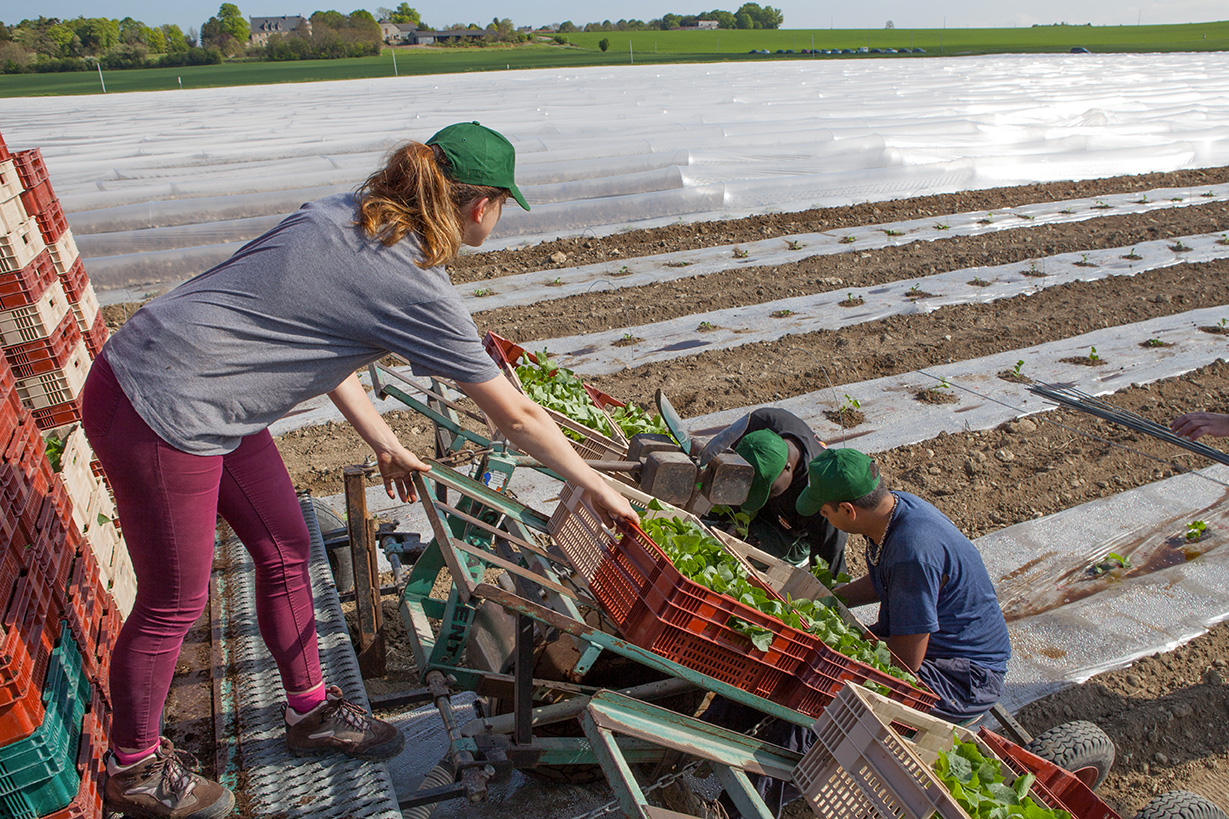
{"x": 263, "y": 27}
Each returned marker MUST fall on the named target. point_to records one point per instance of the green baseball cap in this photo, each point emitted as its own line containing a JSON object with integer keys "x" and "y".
{"x": 835, "y": 476}
{"x": 479, "y": 156}
{"x": 767, "y": 453}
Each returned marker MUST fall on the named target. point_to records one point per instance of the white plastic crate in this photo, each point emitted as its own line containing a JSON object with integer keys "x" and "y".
{"x": 58, "y": 386}
{"x": 86, "y": 308}
{"x": 32, "y": 322}
{"x": 863, "y": 765}
{"x": 10, "y": 182}
{"x": 19, "y": 246}
{"x": 123, "y": 586}
{"x": 75, "y": 460}
{"x": 104, "y": 540}
{"x": 94, "y": 501}
{"x": 12, "y": 213}
{"x": 64, "y": 252}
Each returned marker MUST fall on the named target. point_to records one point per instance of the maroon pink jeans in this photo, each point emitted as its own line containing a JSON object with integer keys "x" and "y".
{"x": 168, "y": 502}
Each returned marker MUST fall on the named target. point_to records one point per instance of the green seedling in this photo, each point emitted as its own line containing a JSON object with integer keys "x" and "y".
{"x": 987, "y": 219}
{"x": 1026, "y": 216}
{"x": 624, "y": 271}
{"x": 705, "y": 326}
{"x": 1101, "y": 205}
{"x": 628, "y": 336}
{"x": 891, "y": 232}
{"x": 555, "y": 282}
{"x": 1223, "y": 240}
{"x": 54, "y": 448}
{"x": 941, "y": 226}
{"x": 792, "y": 245}
{"x": 103, "y": 520}
{"x": 677, "y": 264}
{"x": 1155, "y": 342}
{"x": 739, "y": 253}
{"x": 1083, "y": 262}
{"x": 1142, "y": 200}
{"x": 1111, "y": 561}
{"x": 1178, "y": 247}
{"x": 978, "y": 281}
{"x": 849, "y": 403}
{"x": 782, "y": 313}
{"x": 1092, "y": 354}
{"x": 1132, "y": 255}
{"x": 943, "y": 384}
{"x": 823, "y": 573}
{"x": 915, "y": 290}
{"x": 1016, "y": 369}
{"x": 1195, "y": 530}
{"x": 482, "y": 291}
{"x": 978, "y": 786}
{"x": 1224, "y": 324}
{"x": 1208, "y": 195}
{"x": 1067, "y": 210}
{"x": 849, "y": 240}
{"x": 1175, "y": 199}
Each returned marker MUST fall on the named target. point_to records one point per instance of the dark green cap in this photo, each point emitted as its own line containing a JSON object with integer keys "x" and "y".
{"x": 479, "y": 156}
{"x": 767, "y": 453}
{"x": 836, "y": 476}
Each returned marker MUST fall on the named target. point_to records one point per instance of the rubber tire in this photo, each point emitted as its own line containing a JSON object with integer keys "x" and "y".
{"x": 1076, "y": 746}
{"x": 437, "y": 777}
{"x": 1180, "y": 805}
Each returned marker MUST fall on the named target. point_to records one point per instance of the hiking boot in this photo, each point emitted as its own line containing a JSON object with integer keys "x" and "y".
{"x": 338, "y": 725}
{"x": 163, "y": 786}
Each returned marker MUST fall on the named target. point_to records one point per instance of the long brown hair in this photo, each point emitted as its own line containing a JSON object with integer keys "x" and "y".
{"x": 413, "y": 194}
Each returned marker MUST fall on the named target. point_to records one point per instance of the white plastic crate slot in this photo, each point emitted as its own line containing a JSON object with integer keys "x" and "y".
{"x": 10, "y": 182}
{"x": 64, "y": 252}
{"x": 12, "y": 213}
{"x": 32, "y": 322}
{"x": 58, "y": 386}
{"x": 86, "y": 309}
{"x": 19, "y": 246}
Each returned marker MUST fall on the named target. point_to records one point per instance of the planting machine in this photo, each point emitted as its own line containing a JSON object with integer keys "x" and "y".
{"x": 591, "y": 653}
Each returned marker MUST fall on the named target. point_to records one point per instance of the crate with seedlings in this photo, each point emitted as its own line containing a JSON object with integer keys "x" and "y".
{"x": 876, "y": 759}
{"x": 689, "y": 593}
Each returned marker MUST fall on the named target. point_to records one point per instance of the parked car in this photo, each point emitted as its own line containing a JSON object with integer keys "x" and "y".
{"x": 1080, "y": 50}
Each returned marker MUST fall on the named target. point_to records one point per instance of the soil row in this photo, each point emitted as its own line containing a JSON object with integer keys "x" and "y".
{"x": 578, "y": 251}
{"x": 742, "y": 286}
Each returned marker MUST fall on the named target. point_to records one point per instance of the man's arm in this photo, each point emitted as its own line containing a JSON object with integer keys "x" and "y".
{"x": 860, "y": 592}
{"x": 910, "y": 649}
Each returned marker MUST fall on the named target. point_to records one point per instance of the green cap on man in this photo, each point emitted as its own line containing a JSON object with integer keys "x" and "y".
{"x": 768, "y": 454}
{"x": 836, "y": 476}
{"x": 479, "y": 156}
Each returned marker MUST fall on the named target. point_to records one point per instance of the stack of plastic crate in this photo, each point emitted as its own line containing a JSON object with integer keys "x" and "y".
{"x": 53, "y": 634}
{"x": 50, "y": 330}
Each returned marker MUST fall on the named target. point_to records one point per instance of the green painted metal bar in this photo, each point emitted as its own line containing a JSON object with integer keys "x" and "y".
{"x": 749, "y": 803}
{"x": 618, "y": 772}
{"x": 487, "y": 496}
{"x": 437, "y": 418}
{"x": 635, "y": 718}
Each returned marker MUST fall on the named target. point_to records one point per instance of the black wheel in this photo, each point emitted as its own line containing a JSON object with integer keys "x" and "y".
{"x": 1081, "y": 747}
{"x": 1180, "y": 805}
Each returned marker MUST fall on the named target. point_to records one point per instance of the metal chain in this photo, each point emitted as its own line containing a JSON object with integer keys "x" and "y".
{"x": 667, "y": 779}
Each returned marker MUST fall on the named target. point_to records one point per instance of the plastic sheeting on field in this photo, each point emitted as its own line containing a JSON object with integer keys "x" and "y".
{"x": 602, "y": 149}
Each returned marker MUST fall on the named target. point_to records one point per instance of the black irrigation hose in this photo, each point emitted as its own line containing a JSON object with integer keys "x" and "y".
{"x": 1090, "y": 436}
{"x": 1082, "y": 401}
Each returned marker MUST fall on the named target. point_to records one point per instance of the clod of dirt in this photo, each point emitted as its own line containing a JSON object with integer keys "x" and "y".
{"x": 936, "y": 395}
{"x": 1216, "y": 329}
{"x": 1154, "y": 344}
{"x": 918, "y": 294}
{"x": 857, "y": 301}
{"x": 1014, "y": 377}
{"x": 626, "y": 341}
{"x": 979, "y": 283}
{"x": 1084, "y": 360}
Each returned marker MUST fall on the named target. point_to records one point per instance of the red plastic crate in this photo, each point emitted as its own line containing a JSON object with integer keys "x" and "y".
{"x": 593, "y": 444}
{"x": 30, "y": 167}
{"x": 97, "y": 337}
{"x": 108, "y": 633}
{"x": 52, "y": 222}
{"x": 57, "y": 415}
{"x": 826, "y": 673}
{"x": 4, "y": 150}
{"x": 38, "y": 198}
{"x": 32, "y": 619}
{"x": 46, "y": 354}
{"x": 53, "y": 549}
{"x": 23, "y": 503}
{"x": 85, "y": 607}
{"x": 1057, "y": 785}
{"x": 26, "y": 450}
{"x": 657, "y": 608}
{"x": 27, "y": 285}
{"x": 74, "y": 280}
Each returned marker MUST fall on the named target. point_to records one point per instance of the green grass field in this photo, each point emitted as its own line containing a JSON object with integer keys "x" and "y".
{"x": 641, "y": 47}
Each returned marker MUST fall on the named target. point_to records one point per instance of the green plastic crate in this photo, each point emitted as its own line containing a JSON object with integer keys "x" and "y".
{"x": 38, "y": 775}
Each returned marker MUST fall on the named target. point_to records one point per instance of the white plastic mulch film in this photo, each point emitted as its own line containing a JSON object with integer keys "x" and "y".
{"x": 160, "y": 185}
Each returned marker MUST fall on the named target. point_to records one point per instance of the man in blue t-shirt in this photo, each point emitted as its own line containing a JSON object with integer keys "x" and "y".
{"x": 938, "y": 611}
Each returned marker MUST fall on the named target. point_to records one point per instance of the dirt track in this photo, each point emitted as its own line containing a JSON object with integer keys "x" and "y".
{"x": 1166, "y": 714}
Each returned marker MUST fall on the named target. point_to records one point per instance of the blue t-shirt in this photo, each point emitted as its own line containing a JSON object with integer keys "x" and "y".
{"x": 931, "y": 580}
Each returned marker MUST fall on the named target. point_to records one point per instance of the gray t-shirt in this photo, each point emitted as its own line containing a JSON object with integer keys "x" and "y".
{"x": 285, "y": 319}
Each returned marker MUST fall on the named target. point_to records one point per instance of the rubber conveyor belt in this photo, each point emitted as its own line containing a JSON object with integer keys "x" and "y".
{"x": 259, "y": 766}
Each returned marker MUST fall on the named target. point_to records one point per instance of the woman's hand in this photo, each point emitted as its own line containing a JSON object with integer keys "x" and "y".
{"x": 1195, "y": 425}
{"x": 610, "y": 505}
{"x": 397, "y": 468}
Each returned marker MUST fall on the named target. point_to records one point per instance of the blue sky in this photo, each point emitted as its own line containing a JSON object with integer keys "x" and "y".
{"x": 798, "y": 13}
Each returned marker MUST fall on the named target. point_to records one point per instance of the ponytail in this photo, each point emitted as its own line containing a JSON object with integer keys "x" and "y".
{"x": 413, "y": 194}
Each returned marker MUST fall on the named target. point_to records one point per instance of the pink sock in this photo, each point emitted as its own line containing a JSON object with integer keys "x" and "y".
{"x": 306, "y": 700}
{"x": 124, "y": 759}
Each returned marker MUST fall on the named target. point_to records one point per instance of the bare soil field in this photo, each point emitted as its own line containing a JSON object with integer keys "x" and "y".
{"x": 1166, "y": 713}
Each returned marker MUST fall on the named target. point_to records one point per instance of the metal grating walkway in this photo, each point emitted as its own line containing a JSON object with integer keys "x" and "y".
{"x": 267, "y": 779}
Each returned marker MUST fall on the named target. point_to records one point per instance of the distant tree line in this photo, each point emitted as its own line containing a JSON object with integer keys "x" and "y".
{"x": 333, "y": 35}
{"x": 749, "y": 15}
{"x": 50, "y": 44}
